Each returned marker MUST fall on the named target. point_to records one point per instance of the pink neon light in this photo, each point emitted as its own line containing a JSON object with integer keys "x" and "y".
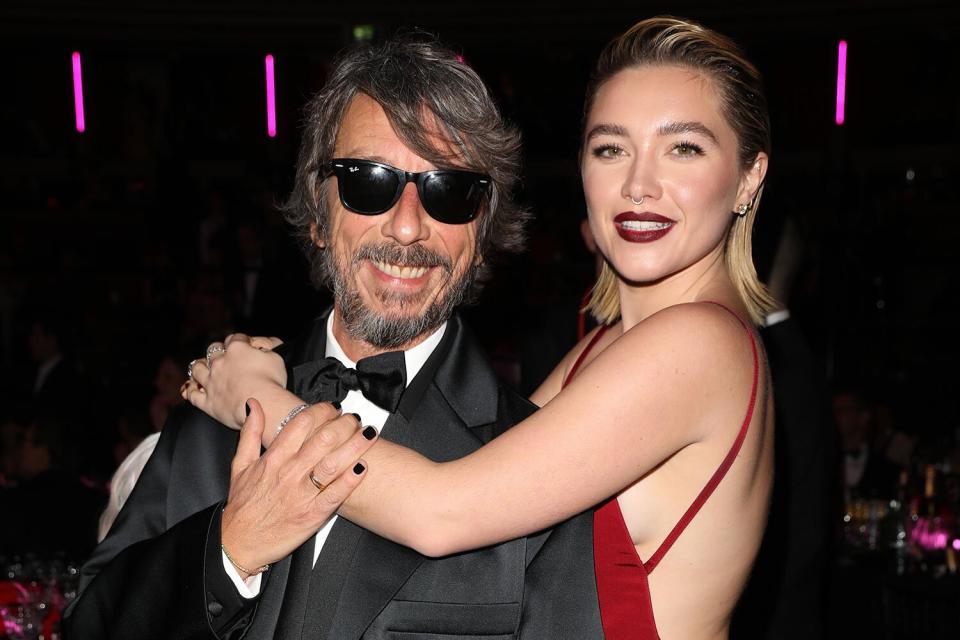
{"x": 956, "y": 544}
{"x": 841, "y": 80}
{"x": 271, "y": 99}
{"x": 78, "y": 93}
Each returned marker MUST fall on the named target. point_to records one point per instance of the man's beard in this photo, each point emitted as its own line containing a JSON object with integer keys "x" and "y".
{"x": 393, "y": 330}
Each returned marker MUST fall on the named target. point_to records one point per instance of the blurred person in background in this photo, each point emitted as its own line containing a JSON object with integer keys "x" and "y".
{"x": 866, "y": 469}
{"x": 786, "y": 595}
{"x": 49, "y": 509}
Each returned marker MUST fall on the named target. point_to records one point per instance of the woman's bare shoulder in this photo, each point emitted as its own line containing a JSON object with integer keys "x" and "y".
{"x": 554, "y": 382}
{"x": 692, "y": 350}
{"x": 692, "y": 323}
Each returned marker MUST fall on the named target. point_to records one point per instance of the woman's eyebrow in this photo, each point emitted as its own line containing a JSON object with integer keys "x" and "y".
{"x": 675, "y": 128}
{"x": 606, "y": 129}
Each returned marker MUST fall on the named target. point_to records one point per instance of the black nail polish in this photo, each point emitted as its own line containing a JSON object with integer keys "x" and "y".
{"x": 336, "y": 405}
{"x": 357, "y": 416}
{"x": 246, "y": 405}
{"x": 358, "y": 468}
{"x": 370, "y": 433}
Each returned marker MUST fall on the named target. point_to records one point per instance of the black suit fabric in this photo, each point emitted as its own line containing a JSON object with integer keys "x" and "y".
{"x": 161, "y": 576}
{"x": 784, "y": 598}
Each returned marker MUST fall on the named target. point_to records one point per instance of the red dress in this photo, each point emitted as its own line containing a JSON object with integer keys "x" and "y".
{"x": 626, "y": 610}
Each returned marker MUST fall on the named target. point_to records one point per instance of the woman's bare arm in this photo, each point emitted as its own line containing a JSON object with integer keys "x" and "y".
{"x": 619, "y": 418}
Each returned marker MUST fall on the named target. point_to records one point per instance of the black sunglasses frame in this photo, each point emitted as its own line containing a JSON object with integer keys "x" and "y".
{"x": 341, "y": 167}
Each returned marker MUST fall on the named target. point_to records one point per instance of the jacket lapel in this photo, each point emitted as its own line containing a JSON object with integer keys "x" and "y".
{"x": 462, "y": 398}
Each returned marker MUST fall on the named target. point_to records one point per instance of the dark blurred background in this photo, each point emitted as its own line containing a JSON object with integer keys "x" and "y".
{"x": 126, "y": 248}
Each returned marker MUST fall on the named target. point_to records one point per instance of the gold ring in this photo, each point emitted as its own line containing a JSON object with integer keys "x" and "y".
{"x": 319, "y": 485}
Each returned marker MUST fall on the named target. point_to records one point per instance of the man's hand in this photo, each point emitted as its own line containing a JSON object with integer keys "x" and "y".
{"x": 238, "y": 368}
{"x": 273, "y": 505}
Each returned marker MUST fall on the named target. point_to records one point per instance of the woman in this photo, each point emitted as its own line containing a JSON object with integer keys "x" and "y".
{"x": 667, "y": 407}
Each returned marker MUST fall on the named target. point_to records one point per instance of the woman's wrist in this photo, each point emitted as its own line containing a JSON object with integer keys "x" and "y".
{"x": 277, "y": 405}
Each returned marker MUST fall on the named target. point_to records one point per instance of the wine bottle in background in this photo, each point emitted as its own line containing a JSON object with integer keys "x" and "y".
{"x": 929, "y": 508}
{"x": 897, "y": 527}
{"x": 931, "y": 533}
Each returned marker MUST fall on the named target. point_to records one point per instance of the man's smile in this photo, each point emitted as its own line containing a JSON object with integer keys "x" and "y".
{"x": 399, "y": 271}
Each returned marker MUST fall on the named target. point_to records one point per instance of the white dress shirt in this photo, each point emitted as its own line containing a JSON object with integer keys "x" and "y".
{"x": 370, "y": 414}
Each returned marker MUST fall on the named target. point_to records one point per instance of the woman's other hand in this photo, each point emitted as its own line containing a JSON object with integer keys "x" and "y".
{"x": 238, "y": 368}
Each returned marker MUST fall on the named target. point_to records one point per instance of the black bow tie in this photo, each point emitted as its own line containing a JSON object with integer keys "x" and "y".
{"x": 381, "y": 379}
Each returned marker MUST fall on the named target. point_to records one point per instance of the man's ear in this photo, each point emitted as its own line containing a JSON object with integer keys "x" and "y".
{"x": 315, "y": 236}
{"x": 752, "y": 180}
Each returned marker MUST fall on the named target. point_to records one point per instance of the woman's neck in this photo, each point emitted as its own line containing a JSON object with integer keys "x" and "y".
{"x": 705, "y": 280}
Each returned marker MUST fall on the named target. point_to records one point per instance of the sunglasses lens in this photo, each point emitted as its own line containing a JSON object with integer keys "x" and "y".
{"x": 452, "y": 197}
{"x": 367, "y": 188}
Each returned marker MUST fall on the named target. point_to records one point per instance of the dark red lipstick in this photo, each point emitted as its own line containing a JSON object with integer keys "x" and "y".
{"x": 642, "y": 235}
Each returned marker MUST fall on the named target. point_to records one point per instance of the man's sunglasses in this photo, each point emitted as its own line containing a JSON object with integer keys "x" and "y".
{"x": 370, "y": 188}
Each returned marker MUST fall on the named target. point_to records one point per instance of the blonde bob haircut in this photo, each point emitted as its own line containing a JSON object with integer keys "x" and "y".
{"x": 666, "y": 40}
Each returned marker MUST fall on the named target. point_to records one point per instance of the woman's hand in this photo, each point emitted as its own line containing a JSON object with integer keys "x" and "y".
{"x": 238, "y": 368}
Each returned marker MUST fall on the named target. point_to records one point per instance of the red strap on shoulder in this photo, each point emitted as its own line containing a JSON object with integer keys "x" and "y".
{"x": 583, "y": 354}
{"x": 721, "y": 471}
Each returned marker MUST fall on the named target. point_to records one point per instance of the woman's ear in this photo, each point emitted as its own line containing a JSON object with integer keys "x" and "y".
{"x": 752, "y": 180}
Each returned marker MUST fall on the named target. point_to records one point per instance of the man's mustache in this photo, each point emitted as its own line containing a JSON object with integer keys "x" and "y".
{"x": 413, "y": 256}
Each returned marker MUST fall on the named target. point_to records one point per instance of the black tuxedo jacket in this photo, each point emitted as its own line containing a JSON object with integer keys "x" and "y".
{"x": 159, "y": 573}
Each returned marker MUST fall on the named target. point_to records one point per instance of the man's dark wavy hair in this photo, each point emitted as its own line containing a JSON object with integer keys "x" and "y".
{"x": 424, "y": 89}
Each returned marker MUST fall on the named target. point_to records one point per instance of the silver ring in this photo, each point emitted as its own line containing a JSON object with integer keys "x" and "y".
{"x": 190, "y": 368}
{"x": 637, "y": 202}
{"x": 216, "y": 347}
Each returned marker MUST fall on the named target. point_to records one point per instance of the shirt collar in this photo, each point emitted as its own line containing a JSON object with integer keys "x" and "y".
{"x": 414, "y": 358}
{"x": 776, "y": 317}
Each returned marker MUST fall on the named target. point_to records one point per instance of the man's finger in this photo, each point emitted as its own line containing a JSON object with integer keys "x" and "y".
{"x": 330, "y": 461}
{"x": 344, "y": 437}
{"x": 248, "y": 449}
{"x": 289, "y": 439}
{"x": 332, "y": 496}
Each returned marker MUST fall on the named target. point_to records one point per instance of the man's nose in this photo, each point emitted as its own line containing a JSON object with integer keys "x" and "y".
{"x": 406, "y": 222}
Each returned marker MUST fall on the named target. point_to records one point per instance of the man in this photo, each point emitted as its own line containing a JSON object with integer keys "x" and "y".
{"x": 400, "y": 257}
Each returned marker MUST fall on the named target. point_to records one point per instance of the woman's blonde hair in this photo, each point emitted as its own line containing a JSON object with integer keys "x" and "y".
{"x": 666, "y": 40}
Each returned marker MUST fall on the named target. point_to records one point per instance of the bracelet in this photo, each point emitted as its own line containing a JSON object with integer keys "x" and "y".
{"x": 240, "y": 568}
{"x": 290, "y": 416}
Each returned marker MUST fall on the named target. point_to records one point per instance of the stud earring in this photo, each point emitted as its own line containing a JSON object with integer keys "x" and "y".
{"x": 742, "y": 210}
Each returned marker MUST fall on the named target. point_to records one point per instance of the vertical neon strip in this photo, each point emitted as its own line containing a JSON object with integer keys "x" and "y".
{"x": 271, "y": 99}
{"x": 841, "y": 80}
{"x": 78, "y": 93}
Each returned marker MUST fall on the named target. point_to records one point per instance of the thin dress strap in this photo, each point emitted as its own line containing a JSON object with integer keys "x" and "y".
{"x": 583, "y": 354}
{"x": 721, "y": 471}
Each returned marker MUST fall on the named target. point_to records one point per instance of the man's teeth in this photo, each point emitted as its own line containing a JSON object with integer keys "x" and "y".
{"x": 644, "y": 225}
{"x": 396, "y": 271}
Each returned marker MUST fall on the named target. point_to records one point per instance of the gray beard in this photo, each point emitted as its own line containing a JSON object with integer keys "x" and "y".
{"x": 392, "y": 331}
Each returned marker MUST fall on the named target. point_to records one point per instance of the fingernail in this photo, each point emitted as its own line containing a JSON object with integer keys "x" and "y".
{"x": 246, "y": 405}
{"x": 357, "y": 416}
{"x": 358, "y": 468}
{"x": 370, "y": 433}
{"x": 336, "y": 405}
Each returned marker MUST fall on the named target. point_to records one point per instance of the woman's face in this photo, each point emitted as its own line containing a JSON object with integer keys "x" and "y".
{"x": 656, "y": 134}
